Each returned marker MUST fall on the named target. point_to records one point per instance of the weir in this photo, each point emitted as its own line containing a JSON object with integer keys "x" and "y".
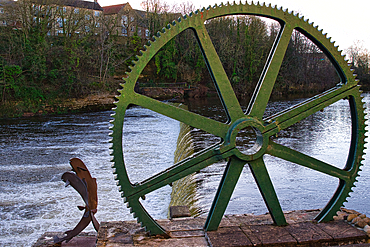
{"x": 184, "y": 190}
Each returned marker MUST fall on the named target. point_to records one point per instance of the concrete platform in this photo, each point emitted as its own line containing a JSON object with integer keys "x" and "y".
{"x": 234, "y": 230}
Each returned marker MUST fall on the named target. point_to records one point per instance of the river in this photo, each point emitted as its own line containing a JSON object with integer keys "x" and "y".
{"x": 35, "y": 152}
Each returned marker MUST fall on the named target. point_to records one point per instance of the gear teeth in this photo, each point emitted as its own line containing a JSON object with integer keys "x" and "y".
{"x": 133, "y": 203}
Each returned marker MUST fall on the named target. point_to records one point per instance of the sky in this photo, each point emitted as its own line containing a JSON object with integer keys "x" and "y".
{"x": 347, "y": 22}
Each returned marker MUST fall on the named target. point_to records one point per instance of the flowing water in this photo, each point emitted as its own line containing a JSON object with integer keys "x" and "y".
{"x": 35, "y": 152}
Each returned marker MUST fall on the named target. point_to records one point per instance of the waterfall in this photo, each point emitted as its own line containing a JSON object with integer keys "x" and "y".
{"x": 184, "y": 190}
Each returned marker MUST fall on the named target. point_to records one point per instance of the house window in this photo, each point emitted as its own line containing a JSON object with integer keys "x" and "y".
{"x": 97, "y": 13}
{"x": 132, "y": 29}
{"x": 132, "y": 19}
{"x": 87, "y": 17}
{"x": 77, "y": 11}
{"x": 1, "y": 11}
{"x": 60, "y": 22}
{"x": 124, "y": 20}
{"x": 124, "y": 31}
{"x": 64, "y": 9}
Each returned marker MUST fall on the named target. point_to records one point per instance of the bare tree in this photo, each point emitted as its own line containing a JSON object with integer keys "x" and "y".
{"x": 359, "y": 57}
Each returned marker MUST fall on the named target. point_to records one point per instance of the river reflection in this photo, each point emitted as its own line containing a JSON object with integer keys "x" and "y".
{"x": 35, "y": 153}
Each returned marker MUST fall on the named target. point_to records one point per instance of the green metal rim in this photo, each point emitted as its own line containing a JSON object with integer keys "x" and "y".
{"x": 346, "y": 89}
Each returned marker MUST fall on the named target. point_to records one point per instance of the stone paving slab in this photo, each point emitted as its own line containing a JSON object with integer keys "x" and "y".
{"x": 271, "y": 235}
{"x": 342, "y": 231}
{"x": 228, "y": 236}
{"x": 308, "y": 232}
{"x": 83, "y": 240}
{"x": 234, "y": 230}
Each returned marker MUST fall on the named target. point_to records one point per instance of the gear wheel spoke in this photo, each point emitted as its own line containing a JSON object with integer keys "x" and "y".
{"x": 267, "y": 190}
{"x": 300, "y": 111}
{"x": 269, "y": 74}
{"x": 197, "y": 121}
{"x": 224, "y": 192}
{"x": 299, "y": 158}
{"x": 180, "y": 170}
{"x": 238, "y": 121}
{"x": 218, "y": 74}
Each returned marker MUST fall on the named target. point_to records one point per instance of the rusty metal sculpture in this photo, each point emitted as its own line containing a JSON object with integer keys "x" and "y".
{"x": 265, "y": 127}
{"x": 86, "y": 186}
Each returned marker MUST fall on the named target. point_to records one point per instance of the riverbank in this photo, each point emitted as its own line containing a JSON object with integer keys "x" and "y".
{"x": 104, "y": 101}
{"x": 95, "y": 102}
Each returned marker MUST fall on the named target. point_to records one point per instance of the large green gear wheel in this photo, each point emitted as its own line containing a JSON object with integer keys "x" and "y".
{"x": 253, "y": 118}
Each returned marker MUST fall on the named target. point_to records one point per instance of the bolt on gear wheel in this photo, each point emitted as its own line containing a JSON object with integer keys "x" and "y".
{"x": 238, "y": 120}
